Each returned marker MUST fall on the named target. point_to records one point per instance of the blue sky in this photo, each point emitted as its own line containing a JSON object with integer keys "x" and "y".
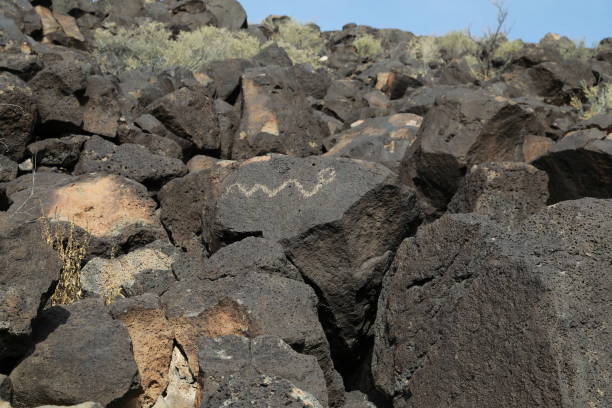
{"x": 590, "y": 20}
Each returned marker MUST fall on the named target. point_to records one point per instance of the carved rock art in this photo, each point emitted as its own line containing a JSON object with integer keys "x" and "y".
{"x": 324, "y": 177}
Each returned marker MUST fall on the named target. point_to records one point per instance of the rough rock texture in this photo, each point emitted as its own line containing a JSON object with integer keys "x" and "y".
{"x": 189, "y": 114}
{"x": 129, "y": 160}
{"x": 471, "y": 316}
{"x": 62, "y": 369}
{"x": 251, "y": 305}
{"x": 276, "y": 117}
{"x": 28, "y": 268}
{"x": 341, "y": 222}
{"x": 382, "y": 140}
{"x": 63, "y": 152}
{"x": 465, "y": 127}
{"x": 225, "y": 358}
{"x": 152, "y": 342}
{"x": 507, "y": 192}
{"x": 18, "y": 113}
{"x": 579, "y": 165}
{"x": 250, "y": 254}
{"x": 8, "y": 169}
{"x": 113, "y": 210}
{"x": 147, "y": 269}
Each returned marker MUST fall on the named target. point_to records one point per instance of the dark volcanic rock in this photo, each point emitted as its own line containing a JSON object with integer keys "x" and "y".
{"x": 345, "y": 100}
{"x": 81, "y": 354}
{"x": 341, "y": 220}
{"x": 183, "y": 201}
{"x": 63, "y": 152}
{"x": 251, "y": 305}
{"x": 18, "y": 115}
{"x": 276, "y": 117}
{"x": 250, "y": 254}
{"x": 507, "y": 192}
{"x": 102, "y": 111}
{"x": 8, "y": 169}
{"x": 189, "y": 114}
{"x": 226, "y": 75}
{"x": 225, "y": 358}
{"x": 579, "y": 165}
{"x": 465, "y": 127}
{"x": 159, "y": 145}
{"x": 28, "y": 269}
{"x": 471, "y": 315}
{"x": 383, "y": 140}
{"x": 128, "y": 160}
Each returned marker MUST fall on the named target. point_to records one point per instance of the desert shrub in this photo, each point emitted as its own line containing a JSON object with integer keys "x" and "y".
{"x": 598, "y": 99}
{"x": 71, "y": 250}
{"x": 302, "y": 42}
{"x": 508, "y": 50}
{"x": 575, "y": 50}
{"x": 151, "y": 46}
{"x": 456, "y": 44}
{"x": 368, "y": 46}
{"x": 423, "y": 49}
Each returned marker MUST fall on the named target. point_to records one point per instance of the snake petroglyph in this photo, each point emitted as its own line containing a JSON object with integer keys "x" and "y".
{"x": 324, "y": 177}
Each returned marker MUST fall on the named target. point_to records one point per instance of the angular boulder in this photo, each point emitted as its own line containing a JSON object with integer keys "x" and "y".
{"x": 507, "y": 192}
{"x": 114, "y": 211}
{"x": 128, "y": 160}
{"x": 465, "y": 127}
{"x": 382, "y": 140}
{"x": 8, "y": 169}
{"x": 250, "y": 254}
{"x": 63, "y": 152}
{"x": 276, "y": 116}
{"x": 18, "y": 114}
{"x": 189, "y": 114}
{"x": 63, "y": 367}
{"x": 341, "y": 221}
{"x": 474, "y": 315}
{"x": 28, "y": 270}
{"x": 579, "y": 165}
{"x": 251, "y": 305}
{"x": 225, "y": 358}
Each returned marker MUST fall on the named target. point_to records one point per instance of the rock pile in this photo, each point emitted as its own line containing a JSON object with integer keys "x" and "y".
{"x": 370, "y": 231}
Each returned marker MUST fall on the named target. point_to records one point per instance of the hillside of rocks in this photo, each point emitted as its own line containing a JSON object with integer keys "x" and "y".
{"x": 354, "y": 224}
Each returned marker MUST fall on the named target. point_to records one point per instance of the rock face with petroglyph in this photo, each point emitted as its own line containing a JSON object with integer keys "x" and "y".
{"x": 339, "y": 220}
{"x": 358, "y": 218}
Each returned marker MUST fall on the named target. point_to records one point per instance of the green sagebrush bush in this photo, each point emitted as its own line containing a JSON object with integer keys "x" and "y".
{"x": 151, "y": 46}
{"x": 368, "y": 46}
{"x": 302, "y": 42}
{"x": 597, "y": 100}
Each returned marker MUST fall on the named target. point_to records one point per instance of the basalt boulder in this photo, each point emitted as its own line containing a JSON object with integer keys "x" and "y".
{"x": 341, "y": 221}
{"x": 18, "y": 115}
{"x": 251, "y": 305}
{"x": 383, "y": 140}
{"x": 276, "y": 116}
{"x": 579, "y": 165}
{"x": 225, "y": 360}
{"x": 474, "y": 315}
{"x": 465, "y": 127}
{"x": 62, "y": 369}
{"x": 128, "y": 160}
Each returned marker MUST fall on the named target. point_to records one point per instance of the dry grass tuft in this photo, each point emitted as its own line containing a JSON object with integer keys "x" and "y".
{"x": 71, "y": 250}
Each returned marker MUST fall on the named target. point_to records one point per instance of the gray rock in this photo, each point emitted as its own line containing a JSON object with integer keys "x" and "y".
{"x": 28, "y": 269}
{"x": 465, "y": 127}
{"x": 128, "y": 160}
{"x": 81, "y": 354}
{"x": 63, "y": 152}
{"x": 382, "y": 140}
{"x": 18, "y": 114}
{"x": 156, "y": 144}
{"x": 6, "y": 388}
{"x": 579, "y": 165}
{"x": 507, "y": 192}
{"x": 247, "y": 255}
{"x": 341, "y": 221}
{"x": 8, "y": 169}
{"x": 474, "y": 315}
{"x": 276, "y": 116}
{"x": 251, "y": 305}
{"x": 232, "y": 356}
